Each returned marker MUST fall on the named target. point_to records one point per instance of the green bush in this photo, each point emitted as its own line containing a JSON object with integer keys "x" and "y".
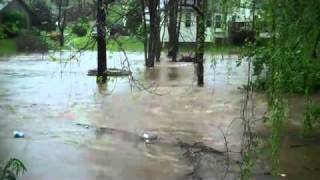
{"x": 12, "y": 169}
{"x": 2, "y": 32}
{"x": 13, "y": 23}
{"x": 80, "y": 28}
{"x": 38, "y": 44}
{"x": 240, "y": 38}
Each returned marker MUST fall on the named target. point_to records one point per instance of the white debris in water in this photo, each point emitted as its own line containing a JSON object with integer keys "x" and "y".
{"x": 283, "y": 175}
{"x": 146, "y": 136}
{"x": 18, "y": 134}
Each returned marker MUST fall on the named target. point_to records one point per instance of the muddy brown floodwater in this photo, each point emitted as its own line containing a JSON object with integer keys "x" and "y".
{"x": 75, "y": 129}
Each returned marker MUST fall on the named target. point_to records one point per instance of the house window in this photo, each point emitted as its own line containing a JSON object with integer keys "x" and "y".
{"x": 188, "y": 19}
{"x": 209, "y": 20}
{"x": 218, "y": 21}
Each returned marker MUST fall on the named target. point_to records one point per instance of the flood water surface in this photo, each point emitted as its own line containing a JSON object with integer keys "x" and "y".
{"x": 76, "y": 129}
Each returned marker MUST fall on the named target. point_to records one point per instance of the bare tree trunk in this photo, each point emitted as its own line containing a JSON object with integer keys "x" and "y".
{"x": 145, "y": 42}
{"x": 253, "y": 25}
{"x": 200, "y": 38}
{"x": 62, "y": 15}
{"x": 173, "y": 29}
{"x": 154, "y": 45}
{"x": 61, "y": 38}
{"x": 314, "y": 51}
{"x": 157, "y": 42}
{"x": 179, "y": 25}
{"x": 101, "y": 39}
{"x": 164, "y": 24}
{"x": 157, "y": 39}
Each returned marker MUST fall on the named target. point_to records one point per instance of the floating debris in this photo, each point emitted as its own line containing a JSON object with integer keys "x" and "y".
{"x": 149, "y": 138}
{"x": 83, "y": 125}
{"x": 18, "y": 134}
{"x": 283, "y": 175}
{"x": 111, "y": 72}
{"x": 187, "y": 58}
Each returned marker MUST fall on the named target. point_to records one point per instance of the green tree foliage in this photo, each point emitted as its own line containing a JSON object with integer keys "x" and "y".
{"x": 12, "y": 169}
{"x": 13, "y": 22}
{"x": 289, "y": 60}
{"x": 134, "y": 19}
{"x": 296, "y": 37}
{"x": 81, "y": 27}
{"x": 311, "y": 116}
{"x": 2, "y": 32}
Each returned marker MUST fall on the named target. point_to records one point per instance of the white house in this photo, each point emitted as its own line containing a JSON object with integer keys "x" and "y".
{"x": 218, "y": 25}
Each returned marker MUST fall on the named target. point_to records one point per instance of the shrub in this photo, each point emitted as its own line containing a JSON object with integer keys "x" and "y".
{"x": 2, "y": 32}
{"x": 239, "y": 38}
{"x": 80, "y": 28}
{"x": 134, "y": 20}
{"x": 13, "y": 23}
{"x": 12, "y": 169}
{"x": 118, "y": 29}
{"x": 31, "y": 43}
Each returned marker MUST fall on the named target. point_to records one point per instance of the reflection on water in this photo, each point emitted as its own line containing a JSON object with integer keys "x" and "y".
{"x": 49, "y": 101}
{"x": 299, "y": 157}
{"x": 173, "y": 73}
{"x": 152, "y": 74}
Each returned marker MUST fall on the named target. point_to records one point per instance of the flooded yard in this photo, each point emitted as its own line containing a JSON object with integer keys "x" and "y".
{"x": 76, "y": 129}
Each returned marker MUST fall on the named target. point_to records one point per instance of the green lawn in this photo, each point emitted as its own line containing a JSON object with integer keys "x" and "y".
{"x": 7, "y": 46}
{"x": 127, "y": 43}
{"x": 131, "y": 44}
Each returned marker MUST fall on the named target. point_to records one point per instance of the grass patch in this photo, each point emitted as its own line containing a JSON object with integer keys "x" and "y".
{"x": 76, "y": 42}
{"x": 128, "y": 43}
{"x": 8, "y": 47}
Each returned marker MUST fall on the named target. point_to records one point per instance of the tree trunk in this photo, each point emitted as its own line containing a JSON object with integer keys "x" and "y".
{"x": 154, "y": 45}
{"x": 62, "y": 18}
{"x": 145, "y": 40}
{"x": 61, "y": 39}
{"x": 200, "y": 40}
{"x": 157, "y": 39}
{"x": 173, "y": 29}
{"x": 101, "y": 39}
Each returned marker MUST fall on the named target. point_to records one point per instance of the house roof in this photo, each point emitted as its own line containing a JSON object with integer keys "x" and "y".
{"x": 5, "y": 3}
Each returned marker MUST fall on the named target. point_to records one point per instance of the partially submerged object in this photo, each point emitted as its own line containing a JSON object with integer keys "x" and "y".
{"x": 87, "y": 126}
{"x": 188, "y": 58}
{"x": 149, "y": 138}
{"x": 18, "y": 134}
{"x": 114, "y": 72}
